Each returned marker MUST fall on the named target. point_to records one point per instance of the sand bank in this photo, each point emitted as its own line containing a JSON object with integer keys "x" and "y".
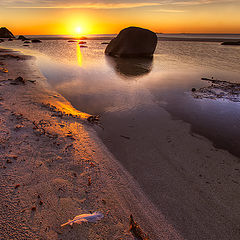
{"x": 53, "y": 167}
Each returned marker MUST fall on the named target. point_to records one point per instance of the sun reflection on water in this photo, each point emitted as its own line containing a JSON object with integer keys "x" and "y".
{"x": 79, "y": 55}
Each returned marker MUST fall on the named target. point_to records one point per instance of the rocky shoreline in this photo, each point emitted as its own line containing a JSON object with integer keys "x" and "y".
{"x": 218, "y": 90}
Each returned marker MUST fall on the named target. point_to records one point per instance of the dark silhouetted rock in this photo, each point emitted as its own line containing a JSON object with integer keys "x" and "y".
{"x": 20, "y": 80}
{"x": 72, "y": 41}
{"x": 82, "y": 42}
{"x": 231, "y": 43}
{"x": 83, "y": 46}
{"x": 21, "y": 37}
{"x": 36, "y": 41}
{"x": 5, "y": 33}
{"x": 133, "y": 42}
{"x": 105, "y": 43}
{"x": 27, "y": 42}
{"x": 10, "y": 39}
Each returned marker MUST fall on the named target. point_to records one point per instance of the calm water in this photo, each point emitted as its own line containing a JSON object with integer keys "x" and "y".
{"x": 98, "y": 84}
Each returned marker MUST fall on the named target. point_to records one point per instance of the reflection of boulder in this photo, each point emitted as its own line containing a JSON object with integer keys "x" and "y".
{"x": 131, "y": 67}
{"x": 133, "y": 42}
{"x": 5, "y": 33}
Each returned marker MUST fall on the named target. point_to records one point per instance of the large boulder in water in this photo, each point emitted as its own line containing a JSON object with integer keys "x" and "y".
{"x": 5, "y": 33}
{"x": 133, "y": 42}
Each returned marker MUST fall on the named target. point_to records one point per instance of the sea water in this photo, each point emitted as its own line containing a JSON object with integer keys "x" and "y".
{"x": 103, "y": 85}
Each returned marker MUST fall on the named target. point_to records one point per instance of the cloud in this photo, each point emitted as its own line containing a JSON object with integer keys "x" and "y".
{"x": 168, "y": 11}
{"x": 102, "y": 4}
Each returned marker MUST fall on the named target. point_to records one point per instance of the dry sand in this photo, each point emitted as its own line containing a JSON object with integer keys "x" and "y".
{"x": 53, "y": 167}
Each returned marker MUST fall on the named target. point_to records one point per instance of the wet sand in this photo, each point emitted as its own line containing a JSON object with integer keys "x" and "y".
{"x": 53, "y": 167}
{"x": 194, "y": 184}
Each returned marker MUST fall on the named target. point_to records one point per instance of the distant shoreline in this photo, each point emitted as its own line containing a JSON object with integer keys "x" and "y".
{"x": 161, "y": 37}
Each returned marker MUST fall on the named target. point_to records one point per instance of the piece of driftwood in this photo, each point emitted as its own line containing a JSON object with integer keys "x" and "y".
{"x": 136, "y": 230}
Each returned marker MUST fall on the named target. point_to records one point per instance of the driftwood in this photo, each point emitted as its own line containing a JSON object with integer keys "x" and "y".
{"x": 136, "y": 230}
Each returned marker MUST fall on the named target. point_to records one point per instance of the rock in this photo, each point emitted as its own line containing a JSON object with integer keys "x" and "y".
{"x": 5, "y": 33}
{"x": 21, "y": 37}
{"x": 20, "y": 80}
{"x": 231, "y": 43}
{"x": 133, "y": 42}
{"x": 72, "y": 41}
{"x": 27, "y": 42}
{"x": 36, "y": 41}
{"x": 33, "y": 208}
{"x": 105, "y": 43}
{"x": 10, "y": 39}
{"x": 82, "y": 42}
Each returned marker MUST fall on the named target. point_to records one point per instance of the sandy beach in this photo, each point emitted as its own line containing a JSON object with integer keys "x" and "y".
{"x": 53, "y": 167}
{"x": 119, "y": 120}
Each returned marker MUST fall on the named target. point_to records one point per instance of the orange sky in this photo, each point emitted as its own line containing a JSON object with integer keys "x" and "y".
{"x": 105, "y": 16}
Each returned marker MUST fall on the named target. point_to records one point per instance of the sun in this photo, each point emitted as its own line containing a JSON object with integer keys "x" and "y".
{"x": 78, "y": 30}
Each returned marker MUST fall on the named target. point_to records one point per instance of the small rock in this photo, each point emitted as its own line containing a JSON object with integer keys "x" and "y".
{"x": 36, "y": 41}
{"x": 20, "y": 79}
{"x": 17, "y": 186}
{"x": 33, "y": 208}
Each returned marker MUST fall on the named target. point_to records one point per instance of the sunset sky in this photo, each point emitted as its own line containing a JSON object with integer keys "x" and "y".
{"x": 105, "y": 16}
